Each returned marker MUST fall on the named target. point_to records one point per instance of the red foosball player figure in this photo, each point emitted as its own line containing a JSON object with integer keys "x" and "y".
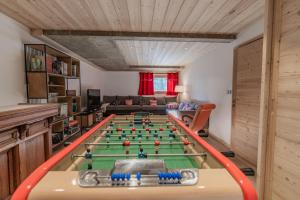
{"x": 147, "y": 133}
{"x": 126, "y": 144}
{"x": 133, "y": 130}
{"x": 185, "y": 144}
{"x": 156, "y": 144}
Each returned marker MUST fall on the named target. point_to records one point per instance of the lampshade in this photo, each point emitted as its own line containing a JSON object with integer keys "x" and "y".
{"x": 179, "y": 88}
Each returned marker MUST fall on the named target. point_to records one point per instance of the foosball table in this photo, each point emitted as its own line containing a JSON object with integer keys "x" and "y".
{"x": 138, "y": 156}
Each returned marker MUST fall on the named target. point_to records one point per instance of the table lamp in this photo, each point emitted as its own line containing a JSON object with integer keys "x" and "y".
{"x": 179, "y": 89}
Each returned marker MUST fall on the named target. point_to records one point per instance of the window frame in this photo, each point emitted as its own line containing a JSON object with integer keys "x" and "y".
{"x": 160, "y": 75}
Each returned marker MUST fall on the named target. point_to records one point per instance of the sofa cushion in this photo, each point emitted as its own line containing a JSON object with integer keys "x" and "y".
{"x": 173, "y": 105}
{"x": 171, "y": 99}
{"x": 161, "y": 100}
{"x": 153, "y": 102}
{"x": 187, "y": 106}
{"x": 153, "y": 108}
{"x": 136, "y": 100}
{"x": 109, "y": 99}
{"x": 121, "y": 100}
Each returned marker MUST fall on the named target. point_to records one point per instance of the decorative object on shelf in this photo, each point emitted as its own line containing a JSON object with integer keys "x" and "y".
{"x": 49, "y": 62}
{"x": 52, "y": 97}
{"x": 35, "y": 60}
{"x": 74, "y": 106}
{"x": 37, "y": 63}
{"x": 63, "y": 109}
{"x": 71, "y": 92}
{"x": 74, "y": 70}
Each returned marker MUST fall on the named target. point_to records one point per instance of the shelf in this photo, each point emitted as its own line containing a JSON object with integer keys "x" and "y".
{"x": 72, "y": 77}
{"x": 60, "y": 75}
{"x": 36, "y": 71}
{"x": 59, "y": 119}
{"x": 75, "y": 114}
{"x": 56, "y": 86}
{"x": 57, "y": 75}
{"x": 65, "y": 139}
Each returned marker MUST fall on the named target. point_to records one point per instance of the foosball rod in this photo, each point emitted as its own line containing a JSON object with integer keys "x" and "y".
{"x": 139, "y": 122}
{"x": 124, "y": 118}
{"x": 144, "y": 135}
{"x": 137, "y": 129}
{"x": 135, "y": 155}
{"x": 135, "y": 143}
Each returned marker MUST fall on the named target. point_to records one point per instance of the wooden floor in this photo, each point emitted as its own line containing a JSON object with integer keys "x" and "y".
{"x": 240, "y": 162}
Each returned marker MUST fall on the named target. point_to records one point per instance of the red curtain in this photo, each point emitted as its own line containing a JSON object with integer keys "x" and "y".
{"x": 172, "y": 82}
{"x": 146, "y": 84}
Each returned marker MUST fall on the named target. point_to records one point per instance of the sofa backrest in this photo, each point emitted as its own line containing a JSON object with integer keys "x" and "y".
{"x": 171, "y": 99}
{"x": 138, "y": 100}
{"x": 121, "y": 100}
{"x": 109, "y": 99}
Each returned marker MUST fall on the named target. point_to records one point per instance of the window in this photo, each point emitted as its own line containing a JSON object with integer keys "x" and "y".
{"x": 160, "y": 83}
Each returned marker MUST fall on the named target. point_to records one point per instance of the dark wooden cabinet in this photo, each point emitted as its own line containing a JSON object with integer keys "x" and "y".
{"x": 25, "y": 142}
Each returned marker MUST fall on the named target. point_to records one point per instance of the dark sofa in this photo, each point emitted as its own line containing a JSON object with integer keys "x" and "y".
{"x": 140, "y": 104}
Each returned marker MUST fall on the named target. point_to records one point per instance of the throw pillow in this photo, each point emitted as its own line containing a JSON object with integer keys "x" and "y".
{"x": 153, "y": 102}
{"x": 182, "y": 105}
{"x": 128, "y": 102}
{"x": 173, "y": 105}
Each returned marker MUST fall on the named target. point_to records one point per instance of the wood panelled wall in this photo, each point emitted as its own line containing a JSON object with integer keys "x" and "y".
{"x": 280, "y": 112}
{"x": 246, "y": 99}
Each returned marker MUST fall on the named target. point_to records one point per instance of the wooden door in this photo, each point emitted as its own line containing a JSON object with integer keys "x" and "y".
{"x": 246, "y": 99}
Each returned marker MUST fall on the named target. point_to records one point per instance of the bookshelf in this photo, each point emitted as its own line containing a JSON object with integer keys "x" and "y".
{"x": 50, "y": 73}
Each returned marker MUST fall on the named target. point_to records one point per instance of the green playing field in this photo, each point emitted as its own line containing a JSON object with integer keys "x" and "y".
{"x": 171, "y": 162}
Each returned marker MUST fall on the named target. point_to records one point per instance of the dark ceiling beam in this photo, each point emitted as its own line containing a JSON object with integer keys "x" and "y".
{"x": 152, "y": 36}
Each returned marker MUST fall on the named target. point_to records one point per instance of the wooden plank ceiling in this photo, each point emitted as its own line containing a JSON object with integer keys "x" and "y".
{"x": 162, "y": 16}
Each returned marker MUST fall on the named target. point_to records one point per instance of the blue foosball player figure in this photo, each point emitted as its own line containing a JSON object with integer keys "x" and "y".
{"x": 89, "y": 158}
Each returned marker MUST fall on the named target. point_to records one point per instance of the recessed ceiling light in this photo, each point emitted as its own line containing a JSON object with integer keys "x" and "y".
{"x": 186, "y": 48}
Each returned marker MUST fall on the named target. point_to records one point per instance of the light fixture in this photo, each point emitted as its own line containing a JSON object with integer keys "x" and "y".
{"x": 179, "y": 88}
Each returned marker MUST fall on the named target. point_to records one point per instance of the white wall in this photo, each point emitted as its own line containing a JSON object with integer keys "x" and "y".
{"x": 121, "y": 83}
{"x": 13, "y": 36}
{"x": 210, "y": 77}
{"x": 91, "y": 78}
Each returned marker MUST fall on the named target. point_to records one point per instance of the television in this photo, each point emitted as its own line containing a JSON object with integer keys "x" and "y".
{"x": 93, "y": 99}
